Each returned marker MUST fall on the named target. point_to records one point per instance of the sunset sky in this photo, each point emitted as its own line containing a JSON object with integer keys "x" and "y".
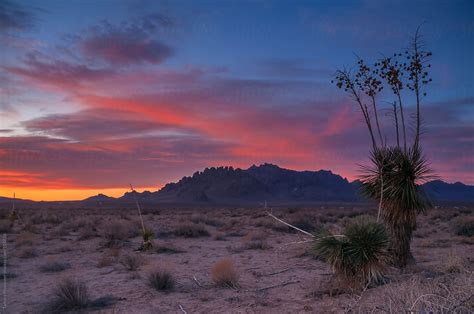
{"x": 95, "y": 95}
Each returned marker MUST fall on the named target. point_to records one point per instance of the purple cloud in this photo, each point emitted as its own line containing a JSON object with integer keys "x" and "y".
{"x": 131, "y": 43}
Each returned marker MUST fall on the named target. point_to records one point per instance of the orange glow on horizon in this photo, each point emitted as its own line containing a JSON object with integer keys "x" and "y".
{"x": 66, "y": 194}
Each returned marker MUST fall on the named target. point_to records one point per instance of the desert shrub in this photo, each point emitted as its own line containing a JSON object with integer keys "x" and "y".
{"x": 24, "y": 239}
{"x": 5, "y": 226}
{"x": 220, "y": 237}
{"x": 8, "y": 276}
{"x": 86, "y": 233}
{"x": 161, "y": 280}
{"x": 51, "y": 219}
{"x": 264, "y": 222}
{"x": 28, "y": 252}
{"x": 224, "y": 274}
{"x": 233, "y": 234}
{"x": 257, "y": 245}
{"x": 105, "y": 261}
{"x": 207, "y": 221}
{"x": 451, "y": 293}
{"x": 131, "y": 262}
{"x": 53, "y": 267}
{"x": 359, "y": 255}
{"x": 464, "y": 227}
{"x": 69, "y": 295}
{"x": 167, "y": 249}
{"x": 191, "y": 231}
{"x": 118, "y": 231}
{"x": 305, "y": 224}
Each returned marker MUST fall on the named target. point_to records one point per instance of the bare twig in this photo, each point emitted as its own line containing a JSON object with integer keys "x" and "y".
{"x": 296, "y": 242}
{"x": 277, "y": 272}
{"x": 182, "y": 310}
{"x": 290, "y": 225}
{"x": 138, "y": 207}
{"x": 273, "y": 286}
{"x": 196, "y": 281}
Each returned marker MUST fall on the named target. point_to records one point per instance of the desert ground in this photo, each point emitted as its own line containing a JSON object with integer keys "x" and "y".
{"x": 272, "y": 267}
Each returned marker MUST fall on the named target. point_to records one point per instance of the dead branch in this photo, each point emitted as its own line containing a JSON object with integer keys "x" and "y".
{"x": 273, "y": 286}
{"x": 182, "y": 310}
{"x": 196, "y": 281}
{"x": 291, "y": 226}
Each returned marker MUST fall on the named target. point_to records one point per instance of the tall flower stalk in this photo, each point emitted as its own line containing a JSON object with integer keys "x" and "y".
{"x": 395, "y": 174}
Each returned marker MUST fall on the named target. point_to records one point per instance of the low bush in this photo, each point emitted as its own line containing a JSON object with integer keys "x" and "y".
{"x": 69, "y": 295}
{"x": 464, "y": 227}
{"x": 54, "y": 267}
{"x": 161, "y": 280}
{"x": 191, "y": 231}
{"x": 131, "y": 262}
{"x": 224, "y": 274}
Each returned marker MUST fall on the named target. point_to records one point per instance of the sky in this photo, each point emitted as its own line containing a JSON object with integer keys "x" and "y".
{"x": 95, "y": 95}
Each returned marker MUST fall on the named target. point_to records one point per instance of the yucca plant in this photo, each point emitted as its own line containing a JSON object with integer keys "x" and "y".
{"x": 394, "y": 176}
{"x": 147, "y": 236}
{"x": 394, "y": 179}
{"x": 359, "y": 255}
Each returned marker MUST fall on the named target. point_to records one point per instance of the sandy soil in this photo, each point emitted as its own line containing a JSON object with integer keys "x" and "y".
{"x": 275, "y": 274}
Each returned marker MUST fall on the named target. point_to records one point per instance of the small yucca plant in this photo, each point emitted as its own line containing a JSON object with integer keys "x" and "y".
{"x": 147, "y": 236}
{"x": 359, "y": 255}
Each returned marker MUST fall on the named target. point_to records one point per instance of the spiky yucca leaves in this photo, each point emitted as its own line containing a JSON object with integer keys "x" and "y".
{"x": 393, "y": 179}
{"x": 360, "y": 254}
{"x": 147, "y": 236}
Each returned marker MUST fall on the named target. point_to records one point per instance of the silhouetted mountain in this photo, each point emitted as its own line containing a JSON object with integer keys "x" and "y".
{"x": 226, "y": 185}
{"x": 446, "y": 192}
{"x": 98, "y": 198}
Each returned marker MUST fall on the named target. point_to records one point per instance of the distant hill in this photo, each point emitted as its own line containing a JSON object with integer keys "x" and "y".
{"x": 98, "y": 198}
{"x": 456, "y": 192}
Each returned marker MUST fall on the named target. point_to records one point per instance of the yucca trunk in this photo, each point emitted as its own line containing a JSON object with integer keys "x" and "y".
{"x": 400, "y": 238}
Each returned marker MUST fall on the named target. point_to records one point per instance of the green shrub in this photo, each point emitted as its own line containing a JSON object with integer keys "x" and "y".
{"x": 360, "y": 254}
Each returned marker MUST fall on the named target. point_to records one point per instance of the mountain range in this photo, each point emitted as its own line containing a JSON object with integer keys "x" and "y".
{"x": 268, "y": 182}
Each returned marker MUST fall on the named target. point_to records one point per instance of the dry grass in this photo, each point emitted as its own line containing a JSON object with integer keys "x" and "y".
{"x": 24, "y": 239}
{"x": 69, "y": 295}
{"x": 161, "y": 280}
{"x": 116, "y": 232}
{"x": 191, "y": 231}
{"x": 105, "y": 261}
{"x": 5, "y": 226}
{"x": 28, "y": 252}
{"x": 131, "y": 262}
{"x": 224, "y": 274}
{"x": 464, "y": 226}
{"x": 54, "y": 267}
{"x": 446, "y": 294}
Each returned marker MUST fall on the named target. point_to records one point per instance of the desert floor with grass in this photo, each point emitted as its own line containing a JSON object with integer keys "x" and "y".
{"x": 226, "y": 260}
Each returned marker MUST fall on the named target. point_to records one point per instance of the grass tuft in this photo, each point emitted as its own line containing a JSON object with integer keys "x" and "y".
{"x": 161, "y": 280}
{"x": 69, "y": 295}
